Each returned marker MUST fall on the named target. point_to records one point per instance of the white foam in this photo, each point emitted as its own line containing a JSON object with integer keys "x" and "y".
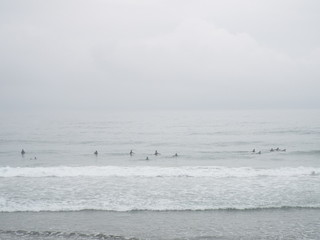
{"x": 156, "y": 188}
{"x": 147, "y": 171}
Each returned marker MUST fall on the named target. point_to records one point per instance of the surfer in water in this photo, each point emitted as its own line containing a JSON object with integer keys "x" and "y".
{"x": 156, "y": 153}
{"x": 176, "y": 155}
{"x": 96, "y": 153}
{"x": 254, "y": 150}
{"x": 22, "y": 152}
{"x": 147, "y": 158}
{"x": 131, "y": 153}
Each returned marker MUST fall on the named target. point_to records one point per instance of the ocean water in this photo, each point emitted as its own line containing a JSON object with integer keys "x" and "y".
{"x": 216, "y": 188}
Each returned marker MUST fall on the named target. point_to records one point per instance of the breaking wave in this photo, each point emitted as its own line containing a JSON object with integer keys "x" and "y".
{"x": 155, "y": 209}
{"x": 144, "y": 171}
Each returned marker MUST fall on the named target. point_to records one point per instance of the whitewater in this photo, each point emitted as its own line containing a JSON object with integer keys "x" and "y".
{"x": 118, "y": 188}
{"x": 151, "y": 171}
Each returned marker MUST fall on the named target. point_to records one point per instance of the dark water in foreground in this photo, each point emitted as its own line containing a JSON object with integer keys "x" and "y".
{"x": 218, "y": 224}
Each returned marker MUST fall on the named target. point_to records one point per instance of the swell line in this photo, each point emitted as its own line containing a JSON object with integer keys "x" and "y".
{"x": 148, "y": 171}
{"x": 253, "y": 208}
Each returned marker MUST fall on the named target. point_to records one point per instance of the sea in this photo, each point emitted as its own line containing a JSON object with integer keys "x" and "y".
{"x": 215, "y": 177}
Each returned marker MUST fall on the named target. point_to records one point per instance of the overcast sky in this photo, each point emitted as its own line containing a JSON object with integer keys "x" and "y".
{"x": 149, "y": 54}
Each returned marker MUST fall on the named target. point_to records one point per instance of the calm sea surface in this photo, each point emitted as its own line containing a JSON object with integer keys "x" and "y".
{"x": 216, "y": 188}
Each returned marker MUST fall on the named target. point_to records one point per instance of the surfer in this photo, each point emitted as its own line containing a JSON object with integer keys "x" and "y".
{"x": 96, "y": 153}
{"x": 176, "y": 155}
{"x": 22, "y": 152}
{"x": 156, "y": 153}
{"x": 271, "y": 150}
{"x": 131, "y": 153}
{"x": 254, "y": 150}
{"x": 277, "y": 149}
{"x": 147, "y": 158}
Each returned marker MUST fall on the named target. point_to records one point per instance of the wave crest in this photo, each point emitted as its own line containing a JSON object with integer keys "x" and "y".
{"x": 218, "y": 208}
{"x": 147, "y": 171}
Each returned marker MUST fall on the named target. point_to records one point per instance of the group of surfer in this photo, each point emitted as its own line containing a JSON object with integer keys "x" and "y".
{"x": 156, "y": 153}
{"x": 277, "y": 150}
{"x": 271, "y": 150}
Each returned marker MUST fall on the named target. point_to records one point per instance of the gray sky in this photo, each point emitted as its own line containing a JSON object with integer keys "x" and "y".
{"x": 149, "y": 54}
